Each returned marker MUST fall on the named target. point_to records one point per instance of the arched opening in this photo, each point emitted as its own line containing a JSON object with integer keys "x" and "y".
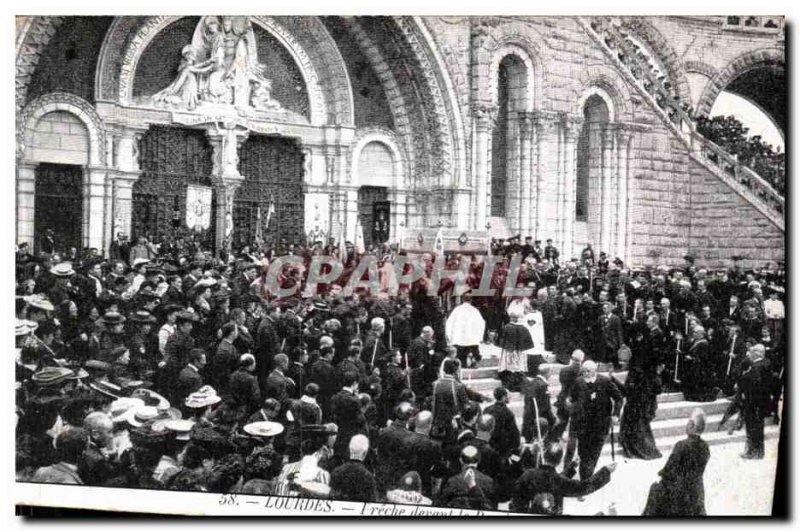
{"x": 511, "y": 91}
{"x": 377, "y": 169}
{"x": 171, "y": 158}
{"x": 589, "y": 170}
{"x": 60, "y": 143}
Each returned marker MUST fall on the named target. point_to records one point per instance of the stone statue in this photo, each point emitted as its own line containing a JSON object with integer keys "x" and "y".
{"x": 220, "y": 67}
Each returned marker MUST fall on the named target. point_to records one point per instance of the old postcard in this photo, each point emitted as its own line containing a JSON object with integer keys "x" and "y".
{"x": 400, "y": 266}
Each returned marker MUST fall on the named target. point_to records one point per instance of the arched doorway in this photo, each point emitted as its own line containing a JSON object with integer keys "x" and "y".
{"x": 58, "y": 207}
{"x": 272, "y": 168}
{"x": 171, "y": 158}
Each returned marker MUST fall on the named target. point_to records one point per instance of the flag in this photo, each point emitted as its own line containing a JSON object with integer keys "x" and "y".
{"x": 270, "y": 210}
{"x": 259, "y": 233}
{"x": 438, "y": 243}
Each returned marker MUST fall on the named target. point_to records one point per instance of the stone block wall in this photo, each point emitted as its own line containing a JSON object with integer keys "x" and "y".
{"x": 61, "y": 138}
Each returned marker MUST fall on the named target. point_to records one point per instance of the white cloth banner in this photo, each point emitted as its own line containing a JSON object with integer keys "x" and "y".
{"x": 198, "y": 207}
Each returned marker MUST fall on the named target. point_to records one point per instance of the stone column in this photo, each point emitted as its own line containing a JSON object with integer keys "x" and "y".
{"x": 605, "y": 205}
{"x": 95, "y": 207}
{"x": 484, "y": 117}
{"x": 128, "y": 171}
{"x": 624, "y": 140}
{"x": 512, "y": 173}
{"x": 572, "y": 128}
{"x": 226, "y": 177}
{"x": 546, "y": 176}
{"x": 26, "y": 198}
{"x": 526, "y": 175}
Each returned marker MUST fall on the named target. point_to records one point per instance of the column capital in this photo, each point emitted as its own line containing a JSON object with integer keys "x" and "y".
{"x": 485, "y": 115}
{"x": 572, "y": 124}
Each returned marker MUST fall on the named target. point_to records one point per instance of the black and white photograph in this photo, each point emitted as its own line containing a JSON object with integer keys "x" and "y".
{"x": 400, "y": 265}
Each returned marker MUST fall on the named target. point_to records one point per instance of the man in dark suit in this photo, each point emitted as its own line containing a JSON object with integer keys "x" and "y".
{"x": 323, "y": 374}
{"x": 668, "y": 318}
{"x": 449, "y": 400}
{"x": 392, "y": 460}
{"x": 424, "y": 454}
{"x": 176, "y": 354}
{"x": 537, "y": 405}
{"x": 505, "y": 437}
{"x": 567, "y": 377}
{"x": 698, "y": 384}
{"x": 470, "y": 488}
{"x": 596, "y": 401}
{"x": 268, "y": 342}
{"x": 189, "y": 379}
{"x": 352, "y": 481}
{"x": 278, "y": 385}
{"x": 225, "y": 360}
{"x": 245, "y": 391}
{"x": 755, "y": 386}
{"x": 491, "y": 463}
{"x": 611, "y": 334}
{"x": 120, "y": 249}
{"x": 546, "y": 480}
{"x": 347, "y": 414}
{"x": 680, "y": 491}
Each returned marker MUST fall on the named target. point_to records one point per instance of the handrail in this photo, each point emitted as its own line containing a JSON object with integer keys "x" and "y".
{"x": 624, "y": 52}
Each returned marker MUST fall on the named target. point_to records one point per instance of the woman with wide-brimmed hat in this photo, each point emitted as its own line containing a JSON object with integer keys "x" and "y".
{"x": 143, "y": 344}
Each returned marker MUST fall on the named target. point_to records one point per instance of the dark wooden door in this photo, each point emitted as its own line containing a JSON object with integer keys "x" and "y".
{"x": 367, "y": 197}
{"x": 59, "y": 204}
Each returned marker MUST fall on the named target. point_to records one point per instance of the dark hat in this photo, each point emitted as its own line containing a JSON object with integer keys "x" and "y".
{"x": 166, "y": 308}
{"x": 142, "y": 316}
{"x": 107, "y": 388}
{"x": 689, "y": 258}
{"x": 97, "y": 366}
{"x": 113, "y": 318}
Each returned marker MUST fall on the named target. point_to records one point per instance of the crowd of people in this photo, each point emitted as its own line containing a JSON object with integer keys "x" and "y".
{"x": 165, "y": 367}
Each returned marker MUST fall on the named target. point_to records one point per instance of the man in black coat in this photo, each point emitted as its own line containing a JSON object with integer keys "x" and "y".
{"x": 225, "y": 360}
{"x": 755, "y": 386}
{"x": 546, "y": 480}
{"x": 505, "y": 437}
{"x": 449, "y": 399}
{"x": 680, "y": 491}
{"x": 278, "y": 385}
{"x": 351, "y": 481}
{"x": 245, "y": 391}
{"x": 491, "y": 463}
{"x": 347, "y": 415}
{"x": 324, "y": 375}
{"x": 189, "y": 379}
{"x": 596, "y": 399}
{"x": 393, "y": 461}
{"x": 698, "y": 381}
{"x": 537, "y": 404}
{"x": 268, "y": 342}
{"x": 470, "y": 488}
{"x": 424, "y": 453}
{"x": 610, "y": 327}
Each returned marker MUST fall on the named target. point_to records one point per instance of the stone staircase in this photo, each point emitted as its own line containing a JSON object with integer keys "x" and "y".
{"x": 668, "y": 426}
{"x": 657, "y": 91}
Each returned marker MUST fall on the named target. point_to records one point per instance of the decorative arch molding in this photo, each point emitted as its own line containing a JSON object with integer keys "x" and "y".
{"x": 386, "y": 137}
{"x": 527, "y": 51}
{"x": 605, "y": 83}
{"x": 699, "y": 67}
{"x": 598, "y": 91}
{"x": 389, "y": 84}
{"x": 439, "y": 108}
{"x": 305, "y": 38}
{"x": 740, "y": 65}
{"x": 654, "y": 39}
{"x": 75, "y": 105}
{"x": 34, "y": 35}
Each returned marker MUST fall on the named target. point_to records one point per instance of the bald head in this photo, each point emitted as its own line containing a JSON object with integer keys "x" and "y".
{"x": 485, "y": 425}
{"x": 326, "y": 341}
{"x": 577, "y": 356}
{"x": 359, "y": 445}
{"x": 423, "y": 422}
{"x": 756, "y": 352}
{"x": 697, "y": 422}
{"x": 589, "y": 369}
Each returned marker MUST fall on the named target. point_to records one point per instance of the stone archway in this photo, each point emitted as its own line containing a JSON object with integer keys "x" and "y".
{"x": 744, "y": 63}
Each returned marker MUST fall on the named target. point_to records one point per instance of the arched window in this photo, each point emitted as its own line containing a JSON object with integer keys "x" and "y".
{"x": 589, "y": 165}
{"x": 511, "y": 90}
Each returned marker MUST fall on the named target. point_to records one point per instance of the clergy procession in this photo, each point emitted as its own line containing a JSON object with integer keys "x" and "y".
{"x": 164, "y": 367}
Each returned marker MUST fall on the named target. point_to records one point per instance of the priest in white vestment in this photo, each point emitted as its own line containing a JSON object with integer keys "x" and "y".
{"x": 464, "y": 329}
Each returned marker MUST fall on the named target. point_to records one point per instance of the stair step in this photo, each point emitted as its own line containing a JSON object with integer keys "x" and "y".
{"x": 487, "y": 384}
{"x": 712, "y": 437}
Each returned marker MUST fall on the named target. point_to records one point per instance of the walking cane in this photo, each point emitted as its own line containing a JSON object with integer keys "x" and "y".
{"x": 677, "y": 354}
{"x": 538, "y": 431}
{"x": 408, "y": 370}
{"x": 283, "y": 344}
{"x": 613, "y": 452}
{"x": 374, "y": 350}
{"x": 730, "y": 358}
{"x": 391, "y": 325}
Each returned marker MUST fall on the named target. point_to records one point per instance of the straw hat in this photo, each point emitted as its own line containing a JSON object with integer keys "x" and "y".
{"x": 23, "y": 327}
{"x": 39, "y": 301}
{"x": 64, "y": 269}
{"x": 204, "y": 397}
{"x": 119, "y": 408}
{"x": 264, "y": 429}
{"x": 139, "y": 415}
{"x": 182, "y": 428}
{"x": 50, "y": 376}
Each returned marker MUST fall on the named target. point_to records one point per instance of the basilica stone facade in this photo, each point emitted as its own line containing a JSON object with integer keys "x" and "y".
{"x": 571, "y": 128}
